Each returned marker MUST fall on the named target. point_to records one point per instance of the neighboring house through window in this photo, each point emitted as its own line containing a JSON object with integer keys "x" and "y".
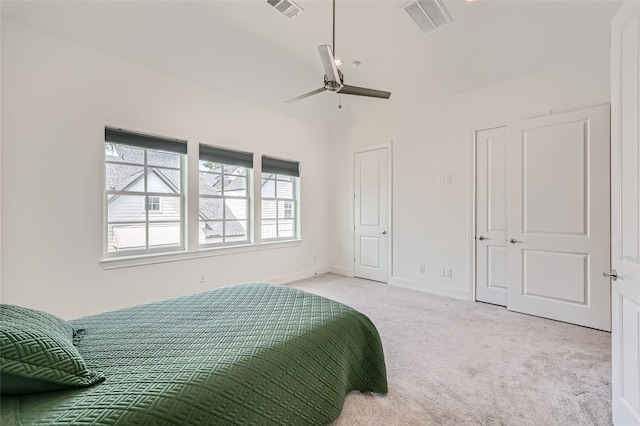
{"x": 280, "y": 219}
{"x": 144, "y": 193}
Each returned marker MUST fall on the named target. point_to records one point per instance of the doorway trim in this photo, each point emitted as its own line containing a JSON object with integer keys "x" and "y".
{"x": 388, "y": 145}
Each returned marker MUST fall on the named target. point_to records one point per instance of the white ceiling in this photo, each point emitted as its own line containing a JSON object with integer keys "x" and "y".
{"x": 249, "y": 50}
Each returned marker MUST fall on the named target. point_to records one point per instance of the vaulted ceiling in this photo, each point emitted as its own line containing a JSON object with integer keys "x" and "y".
{"x": 250, "y": 51}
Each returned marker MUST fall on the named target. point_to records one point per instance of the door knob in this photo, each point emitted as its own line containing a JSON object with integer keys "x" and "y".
{"x": 482, "y": 238}
{"x": 514, "y": 241}
{"x": 384, "y": 232}
{"x": 611, "y": 274}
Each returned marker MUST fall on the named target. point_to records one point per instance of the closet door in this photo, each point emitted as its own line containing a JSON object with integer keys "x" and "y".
{"x": 371, "y": 221}
{"x": 558, "y": 218}
{"x": 491, "y": 215}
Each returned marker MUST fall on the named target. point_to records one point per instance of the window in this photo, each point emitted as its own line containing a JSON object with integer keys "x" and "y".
{"x": 145, "y": 196}
{"x": 224, "y": 204}
{"x": 288, "y": 209}
{"x": 155, "y": 204}
{"x": 279, "y": 199}
{"x": 144, "y": 193}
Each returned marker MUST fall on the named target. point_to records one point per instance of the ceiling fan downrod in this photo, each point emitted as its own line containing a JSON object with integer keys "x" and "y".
{"x": 333, "y": 45}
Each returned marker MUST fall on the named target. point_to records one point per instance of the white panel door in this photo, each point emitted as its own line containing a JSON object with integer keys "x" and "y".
{"x": 371, "y": 184}
{"x": 625, "y": 214}
{"x": 558, "y": 218}
{"x": 491, "y": 216}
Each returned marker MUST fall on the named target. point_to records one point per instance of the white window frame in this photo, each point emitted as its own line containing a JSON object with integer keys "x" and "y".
{"x": 279, "y": 219}
{"x": 118, "y": 137}
{"x": 280, "y": 170}
{"x": 248, "y": 174}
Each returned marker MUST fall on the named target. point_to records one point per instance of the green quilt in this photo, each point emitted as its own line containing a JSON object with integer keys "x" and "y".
{"x": 249, "y": 354}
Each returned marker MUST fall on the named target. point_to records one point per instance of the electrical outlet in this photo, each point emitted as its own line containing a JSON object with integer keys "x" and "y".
{"x": 449, "y": 273}
{"x": 314, "y": 258}
{"x": 203, "y": 279}
{"x": 442, "y": 272}
{"x": 422, "y": 269}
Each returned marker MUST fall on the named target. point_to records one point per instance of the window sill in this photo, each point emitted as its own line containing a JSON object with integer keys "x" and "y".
{"x": 150, "y": 259}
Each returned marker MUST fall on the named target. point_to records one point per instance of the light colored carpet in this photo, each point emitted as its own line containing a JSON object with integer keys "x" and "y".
{"x": 453, "y": 362}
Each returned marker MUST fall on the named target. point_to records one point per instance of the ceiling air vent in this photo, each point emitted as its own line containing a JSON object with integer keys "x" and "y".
{"x": 428, "y": 14}
{"x": 287, "y": 7}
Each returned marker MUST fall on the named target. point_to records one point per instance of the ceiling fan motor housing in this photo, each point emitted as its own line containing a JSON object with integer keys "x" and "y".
{"x": 333, "y": 85}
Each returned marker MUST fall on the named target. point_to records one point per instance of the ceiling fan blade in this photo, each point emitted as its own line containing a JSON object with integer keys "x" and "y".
{"x": 328, "y": 63}
{"x": 362, "y": 91}
{"x": 306, "y": 95}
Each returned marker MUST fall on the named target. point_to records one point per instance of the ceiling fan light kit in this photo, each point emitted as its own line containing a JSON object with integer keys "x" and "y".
{"x": 334, "y": 78}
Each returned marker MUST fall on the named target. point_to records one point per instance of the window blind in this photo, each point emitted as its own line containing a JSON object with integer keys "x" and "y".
{"x": 226, "y": 156}
{"x": 142, "y": 140}
{"x": 280, "y": 166}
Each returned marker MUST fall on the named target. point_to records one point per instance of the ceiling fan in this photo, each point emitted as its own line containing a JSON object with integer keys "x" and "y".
{"x": 333, "y": 77}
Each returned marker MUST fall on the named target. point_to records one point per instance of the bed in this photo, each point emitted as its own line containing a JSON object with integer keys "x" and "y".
{"x": 248, "y": 354}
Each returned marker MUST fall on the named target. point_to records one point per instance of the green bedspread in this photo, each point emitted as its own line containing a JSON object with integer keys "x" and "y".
{"x": 249, "y": 354}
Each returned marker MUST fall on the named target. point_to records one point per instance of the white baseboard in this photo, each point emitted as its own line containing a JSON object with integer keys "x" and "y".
{"x": 297, "y": 276}
{"x": 338, "y": 270}
{"x": 430, "y": 288}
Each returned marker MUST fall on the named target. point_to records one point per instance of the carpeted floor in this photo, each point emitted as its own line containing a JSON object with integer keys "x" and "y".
{"x": 453, "y": 362}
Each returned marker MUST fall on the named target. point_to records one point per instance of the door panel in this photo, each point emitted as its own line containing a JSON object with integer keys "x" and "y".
{"x": 491, "y": 221}
{"x": 497, "y": 267}
{"x": 566, "y": 284}
{"x": 630, "y": 385}
{"x": 625, "y": 214}
{"x": 370, "y": 191}
{"x": 370, "y": 252}
{"x": 496, "y": 181}
{"x": 558, "y": 218}
{"x": 555, "y": 175}
{"x": 371, "y": 199}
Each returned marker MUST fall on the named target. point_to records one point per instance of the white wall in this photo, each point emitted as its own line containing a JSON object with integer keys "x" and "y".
{"x": 431, "y": 221}
{"x": 56, "y": 100}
